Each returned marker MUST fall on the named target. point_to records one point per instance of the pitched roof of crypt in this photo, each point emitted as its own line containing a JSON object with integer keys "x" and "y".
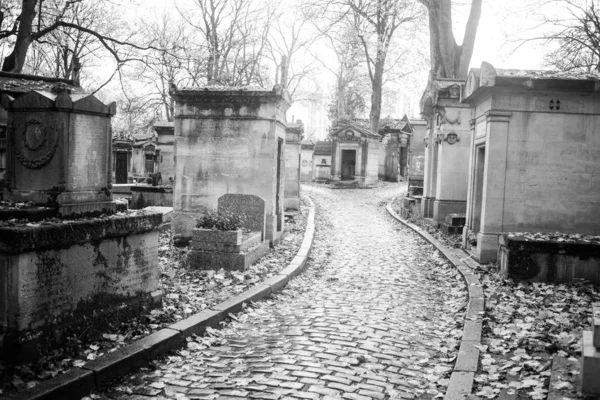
{"x": 342, "y": 125}
{"x": 322, "y": 148}
{"x": 18, "y": 84}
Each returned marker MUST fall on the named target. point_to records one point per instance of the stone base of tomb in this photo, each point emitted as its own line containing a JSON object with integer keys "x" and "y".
{"x": 485, "y": 247}
{"x": 63, "y": 279}
{"x": 427, "y": 207}
{"x": 230, "y": 250}
{"x": 291, "y": 203}
{"x": 151, "y": 196}
{"x": 590, "y": 366}
{"x": 441, "y": 208}
{"x": 410, "y": 207}
{"x": 556, "y": 261}
{"x": 453, "y": 224}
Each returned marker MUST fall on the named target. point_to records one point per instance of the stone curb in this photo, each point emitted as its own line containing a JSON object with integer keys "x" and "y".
{"x": 461, "y": 380}
{"x": 79, "y": 382}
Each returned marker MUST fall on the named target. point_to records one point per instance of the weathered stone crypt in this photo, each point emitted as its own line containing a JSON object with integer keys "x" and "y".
{"x": 355, "y": 155}
{"x": 228, "y": 141}
{"x": 534, "y": 158}
{"x": 447, "y": 150}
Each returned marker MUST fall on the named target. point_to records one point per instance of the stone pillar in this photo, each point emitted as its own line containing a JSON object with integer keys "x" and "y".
{"x": 453, "y": 138}
{"x": 293, "y": 136}
{"x": 59, "y": 151}
{"x": 494, "y": 176}
{"x": 227, "y": 141}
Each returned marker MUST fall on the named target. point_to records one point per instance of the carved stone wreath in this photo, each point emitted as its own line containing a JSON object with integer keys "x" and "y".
{"x": 34, "y": 135}
{"x": 35, "y": 138}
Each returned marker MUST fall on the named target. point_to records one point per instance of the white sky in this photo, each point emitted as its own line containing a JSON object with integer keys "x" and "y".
{"x": 500, "y": 21}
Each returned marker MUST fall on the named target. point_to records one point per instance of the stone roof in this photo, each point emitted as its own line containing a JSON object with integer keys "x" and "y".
{"x": 343, "y": 124}
{"x": 323, "y": 148}
{"x": 481, "y": 79}
{"x": 546, "y": 74}
{"x": 307, "y": 144}
{"x": 16, "y": 84}
{"x": 163, "y": 124}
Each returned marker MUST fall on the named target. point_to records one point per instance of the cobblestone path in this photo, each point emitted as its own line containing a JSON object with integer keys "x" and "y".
{"x": 377, "y": 315}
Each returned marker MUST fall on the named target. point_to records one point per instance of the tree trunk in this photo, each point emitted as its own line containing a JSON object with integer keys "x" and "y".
{"x": 449, "y": 60}
{"x": 376, "y": 94}
{"x": 16, "y": 59}
{"x": 341, "y": 94}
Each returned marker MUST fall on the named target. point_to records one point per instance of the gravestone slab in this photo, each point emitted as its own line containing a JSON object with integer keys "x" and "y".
{"x": 250, "y": 207}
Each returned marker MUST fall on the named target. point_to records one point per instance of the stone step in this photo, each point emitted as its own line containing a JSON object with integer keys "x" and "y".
{"x": 590, "y": 365}
{"x": 450, "y": 229}
{"x": 596, "y": 323}
{"x": 456, "y": 219}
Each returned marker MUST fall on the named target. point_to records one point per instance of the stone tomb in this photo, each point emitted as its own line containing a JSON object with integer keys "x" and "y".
{"x": 447, "y": 141}
{"x": 590, "y": 356}
{"x": 59, "y": 151}
{"x": 293, "y": 136}
{"x": 534, "y": 156}
{"x": 68, "y": 276}
{"x": 232, "y": 250}
{"x": 354, "y": 156}
{"x": 228, "y": 141}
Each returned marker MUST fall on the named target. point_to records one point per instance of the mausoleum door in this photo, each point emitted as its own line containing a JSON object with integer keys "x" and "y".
{"x": 348, "y": 164}
{"x": 121, "y": 167}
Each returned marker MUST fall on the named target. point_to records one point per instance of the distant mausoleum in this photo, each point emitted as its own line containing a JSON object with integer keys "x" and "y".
{"x": 354, "y": 154}
{"x": 321, "y": 161}
{"x": 307, "y": 147}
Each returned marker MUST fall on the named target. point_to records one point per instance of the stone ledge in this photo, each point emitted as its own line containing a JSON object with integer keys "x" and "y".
{"x": 461, "y": 380}
{"x": 80, "y": 382}
{"x": 21, "y": 239}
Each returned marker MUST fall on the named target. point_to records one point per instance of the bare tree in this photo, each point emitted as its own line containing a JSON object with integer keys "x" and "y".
{"x": 448, "y": 59}
{"x": 375, "y": 22}
{"x": 575, "y": 31}
{"x": 38, "y": 19}
{"x": 235, "y": 34}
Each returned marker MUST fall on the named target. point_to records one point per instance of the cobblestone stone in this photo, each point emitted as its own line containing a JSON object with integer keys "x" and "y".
{"x": 370, "y": 318}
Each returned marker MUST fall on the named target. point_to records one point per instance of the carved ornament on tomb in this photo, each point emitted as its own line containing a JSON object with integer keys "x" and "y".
{"x": 349, "y": 136}
{"x": 452, "y": 138}
{"x": 37, "y": 148}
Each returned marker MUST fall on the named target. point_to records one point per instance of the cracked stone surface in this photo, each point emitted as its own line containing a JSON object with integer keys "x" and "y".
{"x": 377, "y": 315}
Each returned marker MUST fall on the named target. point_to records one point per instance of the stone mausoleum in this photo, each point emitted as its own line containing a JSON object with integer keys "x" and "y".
{"x": 534, "y": 155}
{"x": 393, "y": 150}
{"x": 66, "y": 276}
{"x": 228, "y": 141}
{"x": 446, "y": 150}
{"x": 293, "y": 137}
{"x": 354, "y": 155}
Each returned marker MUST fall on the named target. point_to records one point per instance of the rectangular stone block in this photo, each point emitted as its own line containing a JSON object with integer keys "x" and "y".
{"x": 590, "y": 366}
{"x": 460, "y": 386}
{"x": 247, "y": 243}
{"x": 197, "y": 324}
{"x": 596, "y": 323}
{"x": 235, "y": 304}
{"x": 456, "y": 219}
{"x": 227, "y": 260}
{"x": 215, "y": 236}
